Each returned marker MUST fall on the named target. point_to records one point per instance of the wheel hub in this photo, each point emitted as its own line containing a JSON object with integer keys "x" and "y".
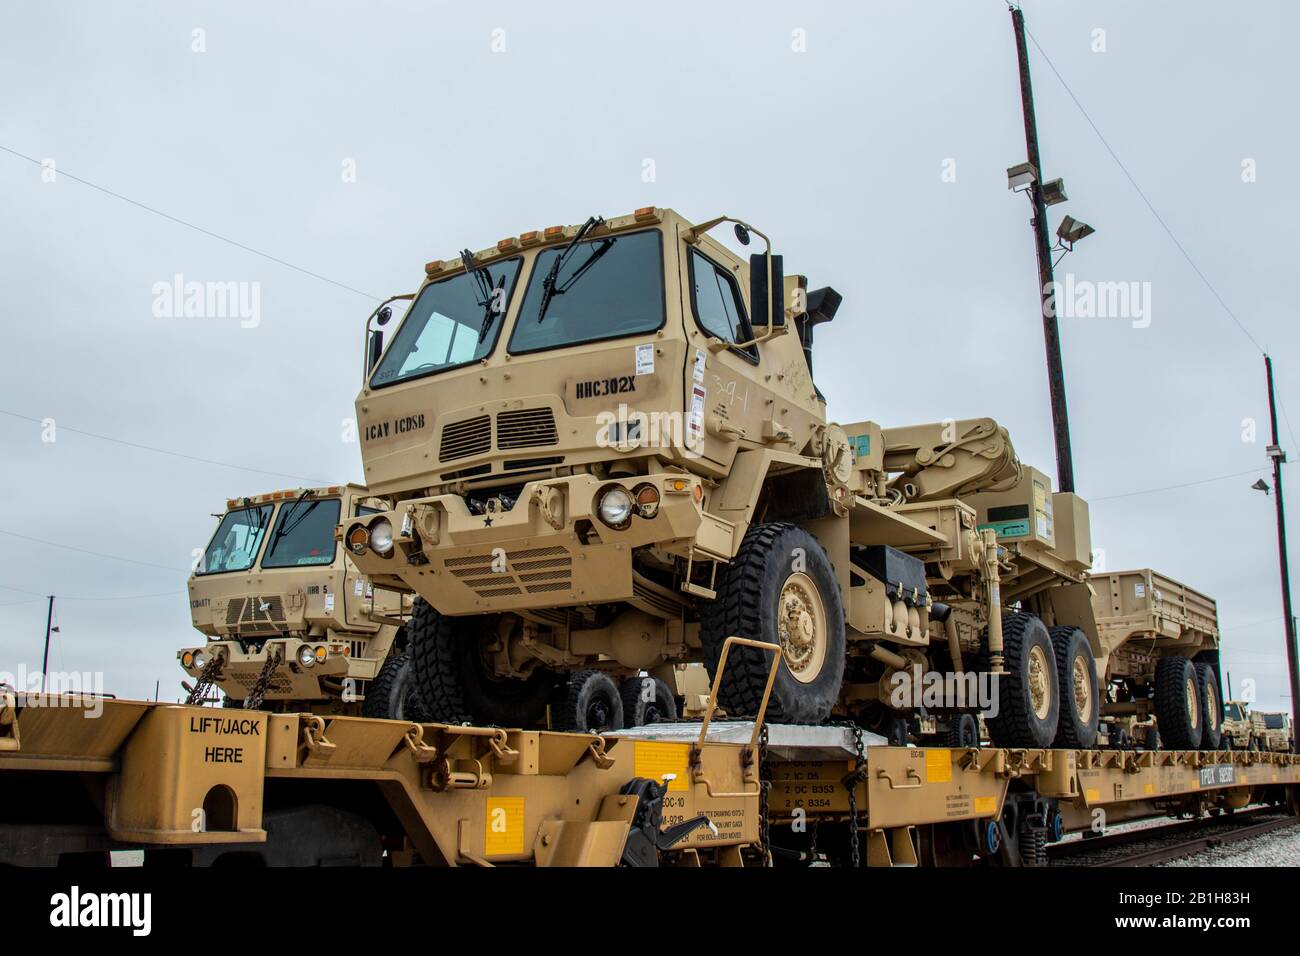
{"x": 1082, "y": 689}
{"x": 801, "y": 623}
{"x": 1040, "y": 693}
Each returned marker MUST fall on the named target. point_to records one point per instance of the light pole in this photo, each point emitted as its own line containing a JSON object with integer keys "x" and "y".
{"x": 1027, "y": 177}
{"x": 1278, "y": 456}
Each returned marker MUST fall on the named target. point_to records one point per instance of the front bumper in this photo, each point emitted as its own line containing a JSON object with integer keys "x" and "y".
{"x": 549, "y": 550}
{"x": 290, "y": 680}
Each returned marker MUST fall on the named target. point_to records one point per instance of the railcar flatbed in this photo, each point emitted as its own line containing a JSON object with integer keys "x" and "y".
{"x": 202, "y": 785}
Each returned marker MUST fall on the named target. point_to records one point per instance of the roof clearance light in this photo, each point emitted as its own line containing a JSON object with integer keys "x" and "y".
{"x": 645, "y": 212}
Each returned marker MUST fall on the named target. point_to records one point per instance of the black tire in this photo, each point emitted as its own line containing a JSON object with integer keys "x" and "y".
{"x": 749, "y": 593}
{"x": 637, "y": 711}
{"x": 453, "y": 683}
{"x": 1180, "y": 723}
{"x": 1207, "y": 684}
{"x": 1017, "y": 724}
{"x": 231, "y": 704}
{"x": 1226, "y": 743}
{"x": 1077, "y": 728}
{"x": 964, "y": 732}
{"x": 1152, "y": 739}
{"x": 591, "y": 704}
{"x": 392, "y": 694}
{"x": 1253, "y": 745}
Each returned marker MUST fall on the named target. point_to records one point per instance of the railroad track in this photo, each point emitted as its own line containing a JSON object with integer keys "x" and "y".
{"x": 1154, "y": 845}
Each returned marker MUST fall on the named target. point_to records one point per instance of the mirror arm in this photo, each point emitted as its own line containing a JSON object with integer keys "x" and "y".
{"x": 366, "y": 367}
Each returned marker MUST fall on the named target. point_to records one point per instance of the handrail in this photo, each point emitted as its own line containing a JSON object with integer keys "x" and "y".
{"x": 717, "y": 683}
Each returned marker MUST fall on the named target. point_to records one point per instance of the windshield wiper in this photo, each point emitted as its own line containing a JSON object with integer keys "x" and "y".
{"x": 550, "y": 288}
{"x": 486, "y": 289}
{"x": 285, "y": 527}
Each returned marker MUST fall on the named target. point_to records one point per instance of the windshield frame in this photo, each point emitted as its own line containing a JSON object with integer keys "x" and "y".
{"x": 499, "y": 323}
{"x": 287, "y": 510}
{"x": 200, "y": 571}
{"x": 534, "y": 271}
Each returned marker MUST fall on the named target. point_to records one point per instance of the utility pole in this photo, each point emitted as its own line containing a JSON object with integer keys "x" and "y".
{"x": 1051, "y": 333}
{"x": 45, "y": 659}
{"x": 1278, "y": 456}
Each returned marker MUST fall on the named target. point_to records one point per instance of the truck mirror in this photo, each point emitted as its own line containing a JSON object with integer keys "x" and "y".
{"x": 765, "y": 308}
{"x": 742, "y": 234}
{"x": 375, "y": 349}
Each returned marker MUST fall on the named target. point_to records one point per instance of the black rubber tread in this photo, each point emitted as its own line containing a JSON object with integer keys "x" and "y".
{"x": 1016, "y": 725}
{"x": 748, "y": 590}
{"x": 1152, "y": 739}
{"x": 636, "y": 709}
{"x": 963, "y": 729}
{"x": 396, "y": 677}
{"x": 1176, "y": 730}
{"x": 450, "y": 680}
{"x": 1212, "y": 731}
{"x": 1072, "y": 733}
{"x": 583, "y": 687}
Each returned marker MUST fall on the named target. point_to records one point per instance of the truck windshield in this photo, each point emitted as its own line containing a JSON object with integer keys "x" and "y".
{"x": 1232, "y": 712}
{"x": 239, "y": 536}
{"x": 1273, "y": 721}
{"x": 451, "y": 323}
{"x": 304, "y": 534}
{"x": 607, "y": 288}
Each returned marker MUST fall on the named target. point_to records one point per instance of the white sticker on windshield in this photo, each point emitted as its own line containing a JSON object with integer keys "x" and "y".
{"x": 700, "y": 359}
{"x": 645, "y": 359}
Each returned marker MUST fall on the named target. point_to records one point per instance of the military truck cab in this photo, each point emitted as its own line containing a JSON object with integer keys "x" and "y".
{"x": 289, "y": 619}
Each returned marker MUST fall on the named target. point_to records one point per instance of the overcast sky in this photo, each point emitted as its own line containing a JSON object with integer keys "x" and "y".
{"x": 357, "y": 141}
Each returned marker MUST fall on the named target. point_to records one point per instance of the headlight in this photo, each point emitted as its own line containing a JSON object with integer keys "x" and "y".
{"x": 187, "y": 660}
{"x": 200, "y": 659}
{"x": 381, "y": 537}
{"x": 306, "y": 656}
{"x": 615, "y": 507}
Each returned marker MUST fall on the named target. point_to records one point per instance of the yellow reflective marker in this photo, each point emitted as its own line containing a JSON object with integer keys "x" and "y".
{"x": 1092, "y": 795}
{"x": 504, "y": 830}
{"x": 653, "y": 759}
{"x": 938, "y": 766}
{"x": 986, "y": 805}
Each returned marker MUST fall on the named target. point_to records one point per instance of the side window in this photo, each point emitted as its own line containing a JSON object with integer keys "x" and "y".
{"x": 718, "y": 307}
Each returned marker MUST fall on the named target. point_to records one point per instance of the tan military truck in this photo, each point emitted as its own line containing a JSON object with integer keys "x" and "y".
{"x": 607, "y": 453}
{"x": 1273, "y": 731}
{"x": 290, "y": 622}
{"x": 1237, "y": 730}
{"x": 1158, "y": 648}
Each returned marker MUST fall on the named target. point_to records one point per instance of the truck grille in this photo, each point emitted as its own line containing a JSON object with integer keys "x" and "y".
{"x": 518, "y": 428}
{"x": 473, "y": 436}
{"x": 248, "y": 615}
{"x": 531, "y": 570}
{"x": 526, "y": 428}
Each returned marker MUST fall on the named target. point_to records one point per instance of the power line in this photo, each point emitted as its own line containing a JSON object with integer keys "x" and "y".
{"x": 97, "y": 554}
{"x": 1188, "y": 484}
{"x": 42, "y": 595}
{"x": 166, "y": 451}
{"x": 189, "y": 225}
{"x": 1133, "y": 182}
